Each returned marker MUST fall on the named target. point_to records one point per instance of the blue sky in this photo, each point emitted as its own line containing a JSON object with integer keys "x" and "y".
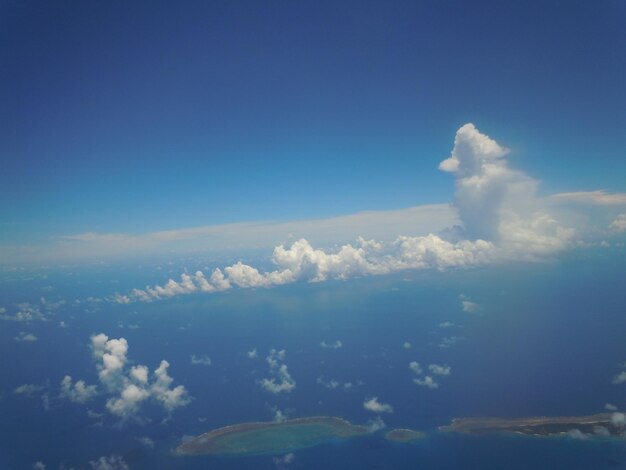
{"x": 153, "y": 116}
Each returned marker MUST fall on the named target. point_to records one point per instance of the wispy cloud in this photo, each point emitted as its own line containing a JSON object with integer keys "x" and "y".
{"x": 281, "y": 381}
{"x": 236, "y": 237}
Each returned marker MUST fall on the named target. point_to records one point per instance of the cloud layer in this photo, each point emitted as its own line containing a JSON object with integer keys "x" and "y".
{"x": 500, "y": 219}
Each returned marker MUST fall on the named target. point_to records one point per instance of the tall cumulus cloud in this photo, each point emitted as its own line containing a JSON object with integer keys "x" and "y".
{"x": 501, "y": 217}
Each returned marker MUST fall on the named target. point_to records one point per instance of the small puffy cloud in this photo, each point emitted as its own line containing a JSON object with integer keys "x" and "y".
{"x": 377, "y": 407}
{"x": 427, "y": 382}
{"x": 618, "y": 224}
{"x": 407, "y": 345}
{"x": 469, "y": 306}
{"x": 77, "y": 392}
{"x": 111, "y": 462}
{"x": 601, "y": 431}
{"x": 201, "y": 360}
{"x": 620, "y": 378}
{"x": 375, "y": 424}
{"x": 132, "y": 387}
{"x": 330, "y": 384}
{"x": 610, "y": 407}
{"x": 279, "y": 416}
{"x": 146, "y": 442}
{"x": 448, "y": 341}
{"x": 446, "y": 324}
{"x": 281, "y": 381}
{"x": 139, "y": 374}
{"x": 281, "y": 462}
{"x": 334, "y": 345}
{"x": 128, "y": 402}
{"x": 170, "y": 398}
{"x": 39, "y": 466}
{"x": 439, "y": 370}
{"x": 618, "y": 419}
{"x": 577, "y": 434}
{"x": 26, "y": 312}
{"x": 253, "y": 354}
{"x": 415, "y": 367}
{"x": 23, "y": 336}
{"x": 28, "y": 389}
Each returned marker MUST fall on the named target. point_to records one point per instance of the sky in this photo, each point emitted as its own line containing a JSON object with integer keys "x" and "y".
{"x": 223, "y": 212}
{"x": 146, "y": 117}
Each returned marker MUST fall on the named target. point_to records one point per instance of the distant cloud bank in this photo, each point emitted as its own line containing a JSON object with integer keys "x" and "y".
{"x": 501, "y": 219}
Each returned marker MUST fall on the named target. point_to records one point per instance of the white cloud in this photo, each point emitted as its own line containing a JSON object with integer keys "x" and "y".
{"x": 620, "y": 378}
{"x": 619, "y": 224}
{"x": 77, "y": 392}
{"x": 146, "y": 441}
{"x": 446, "y": 324}
{"x": 501, "y": 219}
{"x": 618, "y": 419}
{"x": 112, "y": 353}
{"x": 169, "y": 398}
{"x": 132, "y": 387}
{"x": 469, "y": 306}
{"x": 201, "y": 360}
{"x": 448, "y": 341}
{"x": 383, "y": 225}
{"x": 610, "y": 407}
{"x": 497, "y": 203}
{"x": 39, "y": 465}
{"x": 28, "y": 389}
{"x": 279, "y": 416}
{"x": 128, "y": 402}
{"x": 439, "y": 370}
{"x": 334, "y": 345}
{"x": 415, "y": 367}
{"x": 281, "y": 380}
{"x": 330, "y": 384}
{"x": 26, "y": 312}
{"x": 253, "y": 354}
{"x": 302, "y": 262}
{"x": 23, "y": 336}
{"x": 112, "y": 462}
{"x": 407, "y": 345}
{"x": 375, "y": 424}
{"x": 427, "y": 381}
{"x": 600, "y": 198}
{"x": 377, "y": 407}
{"x": 284, "y": 460}
{"x": 577, "y": 434}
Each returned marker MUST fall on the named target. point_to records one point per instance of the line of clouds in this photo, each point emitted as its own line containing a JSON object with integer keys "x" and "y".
{"x": 235, "y": 237}
{"x": 500, "y": 219}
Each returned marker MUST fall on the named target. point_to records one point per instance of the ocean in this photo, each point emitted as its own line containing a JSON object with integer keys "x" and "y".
{"x": 541, "y": 339}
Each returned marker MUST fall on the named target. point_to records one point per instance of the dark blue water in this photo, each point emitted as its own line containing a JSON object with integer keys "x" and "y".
{"x": 547, "y": 341}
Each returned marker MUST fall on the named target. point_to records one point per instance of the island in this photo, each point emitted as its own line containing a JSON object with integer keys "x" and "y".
{"x": 271, "y": 437}
{"x": 404, "y": 436}
{"x": 574, "y": 426}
